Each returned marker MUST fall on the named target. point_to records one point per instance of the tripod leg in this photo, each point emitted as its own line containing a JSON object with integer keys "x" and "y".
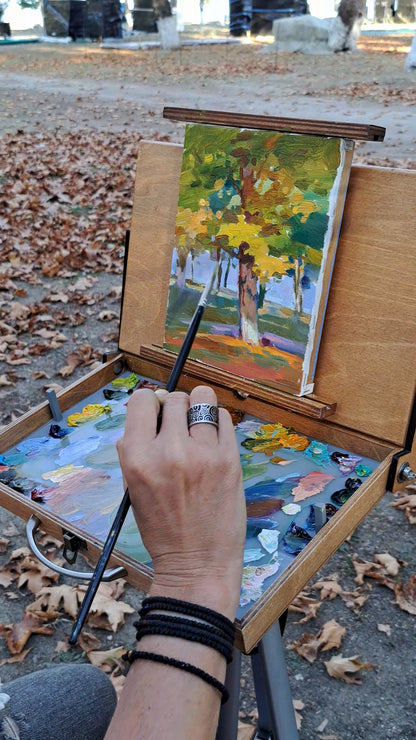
{"x": 274, "y": 700}
{"x": 228, "y": 721}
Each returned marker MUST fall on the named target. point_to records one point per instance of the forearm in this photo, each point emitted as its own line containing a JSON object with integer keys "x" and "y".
{"x": 161, "y": 701}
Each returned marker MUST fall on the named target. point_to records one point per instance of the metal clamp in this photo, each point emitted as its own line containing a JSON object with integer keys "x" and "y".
{"x": 406, "y": 474}
{"x": 33, "y": 525}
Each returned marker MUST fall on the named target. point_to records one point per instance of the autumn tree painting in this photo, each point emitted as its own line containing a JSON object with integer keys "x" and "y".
{"x": 264, "y": 205}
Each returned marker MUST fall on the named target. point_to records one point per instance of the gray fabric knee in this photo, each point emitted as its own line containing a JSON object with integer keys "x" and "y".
{"x": 70, "y": 702}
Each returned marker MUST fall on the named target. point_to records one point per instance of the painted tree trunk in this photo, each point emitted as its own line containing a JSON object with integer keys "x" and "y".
{"x": 180, "y": 266}
{"x": 297, "y": 286}
{"x": 247, "y": 297}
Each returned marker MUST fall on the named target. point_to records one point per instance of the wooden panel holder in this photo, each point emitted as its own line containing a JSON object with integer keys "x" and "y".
{"x": 242, "y": 387}
{"x": 358, "y": 131}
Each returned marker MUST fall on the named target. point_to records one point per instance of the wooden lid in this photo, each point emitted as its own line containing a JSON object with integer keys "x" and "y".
{"x": 367, "y": 357}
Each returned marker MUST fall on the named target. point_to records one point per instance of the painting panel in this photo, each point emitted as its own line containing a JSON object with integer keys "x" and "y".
{"x": 266, "y": 206}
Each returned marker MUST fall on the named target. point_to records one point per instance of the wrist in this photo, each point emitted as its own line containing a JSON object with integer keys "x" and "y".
{"x": 213, "y": 593}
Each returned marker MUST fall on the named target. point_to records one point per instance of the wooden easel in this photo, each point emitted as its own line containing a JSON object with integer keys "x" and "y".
{"x": 364, "y": 385}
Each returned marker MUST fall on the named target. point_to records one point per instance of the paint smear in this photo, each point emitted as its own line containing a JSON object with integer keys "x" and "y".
{"x": 253, "y": 579}
{"x": 88, "y": 413}
{"x": 311, "y": 484}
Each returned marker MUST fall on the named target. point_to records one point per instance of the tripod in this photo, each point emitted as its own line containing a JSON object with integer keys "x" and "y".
{"x": 276, "y": 719}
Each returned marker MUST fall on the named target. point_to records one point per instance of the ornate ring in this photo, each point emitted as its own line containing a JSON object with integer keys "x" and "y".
{"x": 202, "y": 413}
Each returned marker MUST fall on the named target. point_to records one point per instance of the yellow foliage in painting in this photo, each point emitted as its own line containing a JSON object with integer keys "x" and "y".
{"x": 190, "y": 223}
{"x": 265, "y": 265}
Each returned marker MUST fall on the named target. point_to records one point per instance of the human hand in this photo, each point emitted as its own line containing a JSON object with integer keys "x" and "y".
{"x": 187, "y": 495}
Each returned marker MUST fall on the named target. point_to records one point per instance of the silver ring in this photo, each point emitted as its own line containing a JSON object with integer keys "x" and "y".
{"x": 202, "y": 413}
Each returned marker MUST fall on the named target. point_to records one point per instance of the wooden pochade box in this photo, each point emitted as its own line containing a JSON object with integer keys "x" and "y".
{"x": 364, "y": 383}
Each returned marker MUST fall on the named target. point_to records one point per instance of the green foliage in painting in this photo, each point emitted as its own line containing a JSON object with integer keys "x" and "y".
{"x": 260, "y": 198}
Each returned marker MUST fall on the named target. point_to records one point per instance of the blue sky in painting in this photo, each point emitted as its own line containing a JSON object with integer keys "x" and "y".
{"x": 279, "y": 292}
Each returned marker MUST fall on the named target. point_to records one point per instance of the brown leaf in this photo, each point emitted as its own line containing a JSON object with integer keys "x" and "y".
{"x": 105, "y": 612}
{"x": 305, "y": 605}
{"x": 407, "y": 503}
{"x": 87, "y": 641}
{"x": 52, "y": 598}
{"x": 4, "y": 543}
{"x": 17, "y": 634}
{"x": 341, "y": 668}
{"x": 298, "y": 705}
{"x": 62, "y": 646}
{"x": 58, "y": 297}
{"x": 329, "y": 588}
{"x": 16, "y": 658}
{"x": 107, "y": 315}
{"x": 11, "y": 530}
{"x": 406, "y": 595}
{"x": 7, "y": 576}
{"x": 389, "y": 563}
{"x": 331, "y": 635}
{"x": 306, "y": 647}
{"x": 354, "y": 600}
{"x": 366, "y": 569}
{"x": 107, "y": 659}
{"x": 4, "y": 380}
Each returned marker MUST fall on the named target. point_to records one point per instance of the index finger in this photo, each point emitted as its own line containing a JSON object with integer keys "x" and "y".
{"x": 142, "y": 414}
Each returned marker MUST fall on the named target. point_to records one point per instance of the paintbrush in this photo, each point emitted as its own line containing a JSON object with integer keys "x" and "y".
{"x": 125, "y": 503}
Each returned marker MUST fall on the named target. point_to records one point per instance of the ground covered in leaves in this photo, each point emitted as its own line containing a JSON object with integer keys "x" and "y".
{"x": 70, "y": 122}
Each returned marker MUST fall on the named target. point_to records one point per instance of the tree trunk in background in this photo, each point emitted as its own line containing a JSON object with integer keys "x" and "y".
{"x": 112, "y": 18}
{"x": 162, "y": 8}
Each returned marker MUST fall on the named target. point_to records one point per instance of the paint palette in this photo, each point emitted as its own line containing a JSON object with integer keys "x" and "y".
{"x": 72, "y": 470}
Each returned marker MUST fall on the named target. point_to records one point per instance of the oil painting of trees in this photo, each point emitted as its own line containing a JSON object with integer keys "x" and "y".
{"x": 266, "y": 206}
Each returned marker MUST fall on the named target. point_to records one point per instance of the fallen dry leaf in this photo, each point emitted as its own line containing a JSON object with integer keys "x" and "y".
{"x": 384, "y": 628}
{"x": 51, "y": 599}
{"x": 298, "y": 705}
{"x": 407, "y": 503}
{"x": 390, "y": 564}
{"x": 87, "y": 642}
{"x": 107, "y": 316}
{"x": 354, "y": 600}
{"x": 62, "y": 646}
{"x": 304, "y": 604}
{"x": 10, "y": 531}
{"x": 106, "y": 612}
{"x": 377, "y": 571}
{"x": 306, "y": 646}
{"x": 331, "y": 635}
{"x": 330, "y": 588}
{"x": 4, "y": 380}
{"x": 34, "y": 575}
{"x": 16, "y": 658}
{"x": 406, "y": 595}
{"x": 341, "y": 668}
{"x": 4, "y": 543}
{"x": 17, "y": 634}
{"x": 107, "y": 659}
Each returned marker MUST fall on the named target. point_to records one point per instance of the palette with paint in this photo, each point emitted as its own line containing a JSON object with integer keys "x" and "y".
{"x": 292, "y": 448}
{"x": 72, "y": 470}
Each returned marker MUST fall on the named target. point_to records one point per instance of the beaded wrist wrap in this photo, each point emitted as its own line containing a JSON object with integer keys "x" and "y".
{"x": 200, "y": 624}
{"x": 133, "y": 655}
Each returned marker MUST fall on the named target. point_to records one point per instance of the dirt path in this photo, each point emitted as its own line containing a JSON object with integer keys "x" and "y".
{"x": 73, "y": 100}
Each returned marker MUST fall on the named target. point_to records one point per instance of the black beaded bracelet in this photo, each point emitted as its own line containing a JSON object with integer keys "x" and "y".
{"x": 184, "y": 622}
{"x": 133, "y": 655}
{"x": 189, "y": 631}
{"x": 164, "y": 603}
